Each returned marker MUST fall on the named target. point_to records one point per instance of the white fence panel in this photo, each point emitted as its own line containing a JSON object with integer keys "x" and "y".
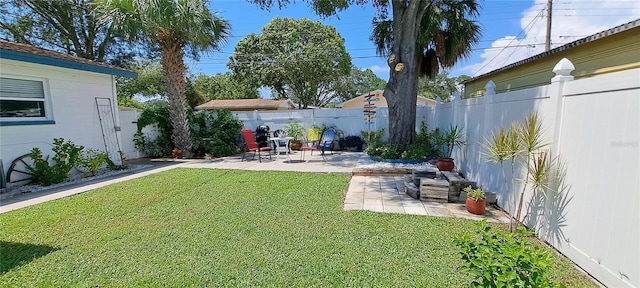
{"x": 598, "y": 227}
{"x": 128, "y": 128}
{"x": 590, "y": 123}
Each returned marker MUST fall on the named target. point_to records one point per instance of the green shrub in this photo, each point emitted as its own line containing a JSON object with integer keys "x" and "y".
{"x": 158, "y": 116}
{"x": 417, "y": 151}
{"x": 214, "y": 133}
{"x": 503, "y": 259}
{"x": 92, "y": 160}
{"x": 66, "y": 157}
{"x": 372, "y": 138}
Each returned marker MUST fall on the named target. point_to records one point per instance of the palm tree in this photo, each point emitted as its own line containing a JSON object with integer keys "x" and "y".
{"x": 174, "y": 27}
{"x": 446, "y": 33}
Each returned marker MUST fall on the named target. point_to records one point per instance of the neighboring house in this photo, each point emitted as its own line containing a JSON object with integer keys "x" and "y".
{"x": 46, "y": 95}
{"x": 609, "y": 51}
{"x": 359, "y": 101}
{"x": 248, "y": 105}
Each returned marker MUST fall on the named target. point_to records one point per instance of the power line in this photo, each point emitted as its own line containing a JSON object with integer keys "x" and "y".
{"x": 508, "y": 45}
{"x": 531, "y": 45}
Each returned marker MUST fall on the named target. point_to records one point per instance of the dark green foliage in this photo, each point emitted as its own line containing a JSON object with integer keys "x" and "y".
{"x": 214, "y": 133}
{"x": 149, "y": 83}
{"x": 157, "y": 115}
{"x": 423, "y": 148}
{"x": 67, "y": 155}
{"x": 132, "y": 103}
{"x": 278, "y": 58}
{"x": 353, "y": 141}
{"x": 225, "y": 86}
{"x": 503, "y": 259}
{"x": 355, "y": 84}
{"x": 440, "y": 87}
{"x": 70, "y": 27}
{"x": 417, "y": 151}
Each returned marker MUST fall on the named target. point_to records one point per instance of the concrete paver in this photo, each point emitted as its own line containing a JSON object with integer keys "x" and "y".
{"x": 390, "y": 191}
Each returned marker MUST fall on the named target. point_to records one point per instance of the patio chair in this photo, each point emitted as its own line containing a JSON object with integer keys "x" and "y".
{"x": 254, "y": 146}
{"x": 325, "y": 143}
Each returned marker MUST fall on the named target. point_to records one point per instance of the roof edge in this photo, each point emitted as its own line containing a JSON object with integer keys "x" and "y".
{"x": 63, "y": 63}
{"x": 588, "y": 39}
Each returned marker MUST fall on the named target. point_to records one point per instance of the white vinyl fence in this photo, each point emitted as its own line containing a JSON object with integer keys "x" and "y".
{"x": 593, "y": 126}
{"x": 350, "y": 121}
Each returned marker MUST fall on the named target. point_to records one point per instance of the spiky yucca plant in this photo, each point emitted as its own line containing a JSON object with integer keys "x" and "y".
{"x": 504, "y": 145}
{"x": 530, "y": 135}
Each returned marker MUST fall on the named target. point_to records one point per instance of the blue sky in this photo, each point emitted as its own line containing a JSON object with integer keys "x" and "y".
{"x": 512, "y": 30}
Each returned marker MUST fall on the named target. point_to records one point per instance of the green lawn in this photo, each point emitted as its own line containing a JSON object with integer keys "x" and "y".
{"x": 204, "y": 227}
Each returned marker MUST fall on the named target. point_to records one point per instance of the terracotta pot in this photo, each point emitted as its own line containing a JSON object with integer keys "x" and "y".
{"x": 445, "y": 164}
{"x": 296, "y": 145}
{"x": 476, "y": 207}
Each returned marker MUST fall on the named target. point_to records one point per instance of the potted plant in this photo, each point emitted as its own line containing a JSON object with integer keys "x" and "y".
{"x": 353, "y": 143}
{"x": 296, "y": 131}
{"x": 445, "y": 142}
{"x": 476, "y": 200}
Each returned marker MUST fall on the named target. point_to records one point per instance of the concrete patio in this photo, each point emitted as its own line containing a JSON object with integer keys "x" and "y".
{"x": 378, "y": 193}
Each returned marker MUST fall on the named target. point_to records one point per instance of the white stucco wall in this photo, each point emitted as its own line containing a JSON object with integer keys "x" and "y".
{"x": 72, "y": 100}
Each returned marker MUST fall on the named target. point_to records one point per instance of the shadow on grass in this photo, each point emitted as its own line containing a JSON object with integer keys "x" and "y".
{"x": 17, "y": 254}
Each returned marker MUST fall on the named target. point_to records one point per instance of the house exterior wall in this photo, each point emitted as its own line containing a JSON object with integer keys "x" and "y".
{"x": 592, "y": 124}
{"x": 608, "y": 54}
{"x": 73, "y": 96}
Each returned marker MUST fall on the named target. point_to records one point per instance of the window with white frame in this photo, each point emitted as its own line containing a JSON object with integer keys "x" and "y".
{"x": 22, "y": 99}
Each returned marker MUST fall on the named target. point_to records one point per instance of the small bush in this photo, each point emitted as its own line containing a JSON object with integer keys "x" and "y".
{"x": 92, "y": 160}
{"x": 67, "y": 155}
{"x": 503, "y": 259}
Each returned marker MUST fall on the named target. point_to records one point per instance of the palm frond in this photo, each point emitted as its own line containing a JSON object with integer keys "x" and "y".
{"x": 382, "y": 37}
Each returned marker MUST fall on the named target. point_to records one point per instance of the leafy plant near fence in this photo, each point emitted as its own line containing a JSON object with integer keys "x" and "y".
{"x": 423, "y": 148}
{"x": 503, "y": 259}
{"x": 214, "y": 133}
{"x": 157, "y": 116}
{"x": 67, "y": 155}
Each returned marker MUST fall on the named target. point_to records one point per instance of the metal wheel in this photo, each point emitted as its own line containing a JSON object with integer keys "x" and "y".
{"x": 18, "y": 171}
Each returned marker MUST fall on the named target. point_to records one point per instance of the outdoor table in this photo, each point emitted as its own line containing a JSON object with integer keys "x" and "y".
{"x": 276, "y": 141}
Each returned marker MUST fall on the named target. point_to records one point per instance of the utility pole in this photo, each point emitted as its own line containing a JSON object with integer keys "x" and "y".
{"x": 547, "y": 43}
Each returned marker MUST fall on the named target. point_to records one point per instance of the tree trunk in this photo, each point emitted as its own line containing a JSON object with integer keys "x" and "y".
{"x": 402, "y": 89}
{"x": 174, "y": 73}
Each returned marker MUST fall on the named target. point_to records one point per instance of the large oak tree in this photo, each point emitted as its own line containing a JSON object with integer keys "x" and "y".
{"x": 415, "y": 27}
{"x": 295, "y": 58}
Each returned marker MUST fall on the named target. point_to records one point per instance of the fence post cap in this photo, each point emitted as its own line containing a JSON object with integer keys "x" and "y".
{"x": 563, "y": 70}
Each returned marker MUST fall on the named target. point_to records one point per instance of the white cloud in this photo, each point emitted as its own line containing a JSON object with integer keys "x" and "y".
{"x": 571, "y": 20}
{"x": 380, "y": 71}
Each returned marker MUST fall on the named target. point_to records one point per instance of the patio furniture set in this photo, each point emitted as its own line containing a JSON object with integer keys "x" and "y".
{"x": 277, "y": 142}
